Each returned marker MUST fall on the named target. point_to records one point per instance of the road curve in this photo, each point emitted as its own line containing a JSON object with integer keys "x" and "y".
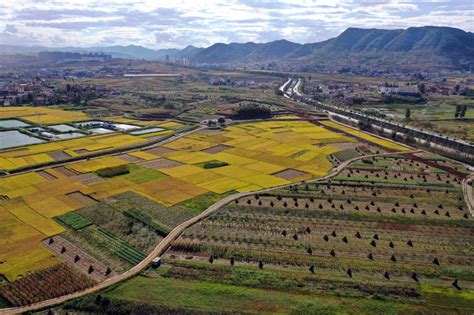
{"x": 166, "y": 242}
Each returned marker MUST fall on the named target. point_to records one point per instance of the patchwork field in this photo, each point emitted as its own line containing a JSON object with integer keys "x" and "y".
{"x": 408, "y": 238}
{"x": 178, "y": 180}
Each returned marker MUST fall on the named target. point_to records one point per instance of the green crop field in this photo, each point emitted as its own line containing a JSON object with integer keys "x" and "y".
{"x": 74, "y": 220}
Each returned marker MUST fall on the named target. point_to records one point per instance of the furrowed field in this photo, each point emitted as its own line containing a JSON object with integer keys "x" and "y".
{"x": 408, "y": 237}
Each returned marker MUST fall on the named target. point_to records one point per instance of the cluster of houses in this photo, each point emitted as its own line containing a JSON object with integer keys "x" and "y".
{"x": 408, "y": 90}
{"x": 40, "y": 93}
{"x": 37, "y": 93}
{"x": 220, "y": 81}
{"x": 352, "y": 93}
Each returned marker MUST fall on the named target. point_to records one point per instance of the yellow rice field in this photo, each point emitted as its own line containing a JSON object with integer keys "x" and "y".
{"x": 362, "y": 135}
{"x": 19, "y": 157}
{"x": 41, "y": 115}
{"x": 254, "y": 152}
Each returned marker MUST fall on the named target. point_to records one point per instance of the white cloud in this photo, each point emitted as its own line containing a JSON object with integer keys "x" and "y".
{"x": 179, "y": 23}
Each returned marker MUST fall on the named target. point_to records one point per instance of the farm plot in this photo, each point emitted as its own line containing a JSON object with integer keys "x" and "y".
{"x": 15, "y": 158}
{"x": 35, "y": 154}
{"x": 116, "y": 237}
{"x": 256, "y": 156}
{"x": 42, "y": 115}
{"x": 46, "y": 284}
{"x": 353, "y": 239}
{"x": 74, "y": 256}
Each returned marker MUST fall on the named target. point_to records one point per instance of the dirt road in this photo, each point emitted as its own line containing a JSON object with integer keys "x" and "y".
{"x": 468, "y": 193}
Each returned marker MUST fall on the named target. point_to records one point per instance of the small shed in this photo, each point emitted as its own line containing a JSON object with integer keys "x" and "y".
{"x": 155, "y": 263}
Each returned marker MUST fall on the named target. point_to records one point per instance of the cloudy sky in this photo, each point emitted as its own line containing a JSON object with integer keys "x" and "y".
{"x": 178, "y": 23}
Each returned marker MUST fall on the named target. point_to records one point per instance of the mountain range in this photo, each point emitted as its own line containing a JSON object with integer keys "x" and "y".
{"x": 354, "y": 45}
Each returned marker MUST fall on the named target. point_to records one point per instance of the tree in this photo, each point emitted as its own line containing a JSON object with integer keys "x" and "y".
{"x": 252, "y": 112}
{"x": 422, "y": 88}
{"x": 458, "y": 111}
{"x": 407, "y": 113}
{"x": 463, "y": 111}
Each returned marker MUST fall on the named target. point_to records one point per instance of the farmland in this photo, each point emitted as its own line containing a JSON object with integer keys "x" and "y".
{"x": 55, "y": 281}
{"x": 43, "y": 153}
{"x": 400, "y": 208}
{"x": 248, "y": 156}
{"x": 42, "y": 115}
{"x": 346, "y": 238}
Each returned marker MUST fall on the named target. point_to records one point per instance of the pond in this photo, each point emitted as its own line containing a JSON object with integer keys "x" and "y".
{"x": 62, "y": 128}
{"x": 91, "y": 123}
{"x": 145, "y": 131}
{"x": 100, "y": 131}
{"x": 125, "y": 127}
{"x": 13, "y": 123}
{"x": 14, "y": 138}
{"x": 71, "y": 135}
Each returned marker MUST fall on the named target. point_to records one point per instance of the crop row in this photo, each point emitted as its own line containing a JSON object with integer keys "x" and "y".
{"x": 74, "y": 220}
{"x": 46, "y": 284}
{"x": 160, "y": 228}
{"x": 123, "y": 249}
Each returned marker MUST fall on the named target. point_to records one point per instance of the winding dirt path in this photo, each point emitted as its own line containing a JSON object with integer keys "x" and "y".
{"x": 166, "y": 242}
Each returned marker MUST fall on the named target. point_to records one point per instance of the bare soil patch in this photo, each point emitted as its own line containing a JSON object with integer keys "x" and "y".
{"x": 77, "y": 258}
{"x": 80, "y": 197}
{"x": 46, "y": 175}
{"x": 65, "y": 171}
{"x": 88, "y": 178}
{"x": 81, "y": 151}
{"x": 160, "y": 163}
{"x": 289, "y": 174}
{"x": 159, "y": 150}
{"x": 217, "y": 149}
{"x": 129, "y": 158}
{"x": 59, "y": 155}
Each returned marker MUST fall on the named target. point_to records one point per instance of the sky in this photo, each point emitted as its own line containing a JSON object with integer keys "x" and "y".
{"x": 178, "y": 23}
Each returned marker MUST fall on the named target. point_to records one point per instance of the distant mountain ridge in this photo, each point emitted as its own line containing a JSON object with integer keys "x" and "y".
{"x": 357, "y": 45}
{"x": 117, "y": 51}
{"x": 437, "y": 40}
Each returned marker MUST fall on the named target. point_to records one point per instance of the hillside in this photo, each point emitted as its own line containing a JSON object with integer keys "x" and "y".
{"x": 415, "y": 47}
{"x": 454, "y": 46}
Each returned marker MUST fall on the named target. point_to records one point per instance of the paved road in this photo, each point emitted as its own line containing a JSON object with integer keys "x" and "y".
{"x": 166, "y": 242}
{"x": 468, "y": 192}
